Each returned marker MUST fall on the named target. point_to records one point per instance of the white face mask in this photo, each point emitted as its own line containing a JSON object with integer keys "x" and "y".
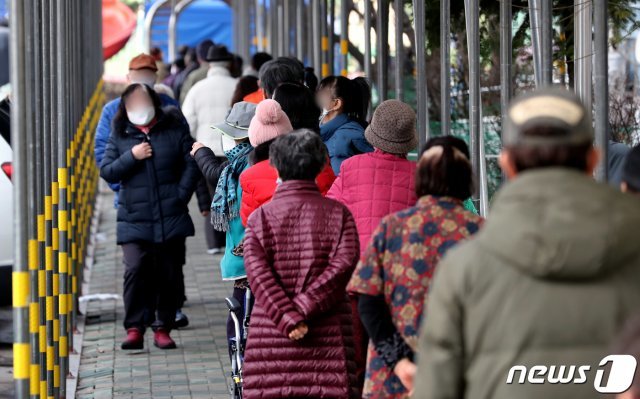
{"x": 142, "y": 116}
{"x": 227, "y": 143}
{"x": 323, "y": 115}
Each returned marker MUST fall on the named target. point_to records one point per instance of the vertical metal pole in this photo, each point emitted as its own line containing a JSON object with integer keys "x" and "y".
{"x": 52, "y": 358}
{"x": 483, "y": 186}
{"x": 547, "y": 41}
{"x": 475, "y": 128}
{"x": 32, "y": 227}
{"x": 506, "y": 60}
{"x": 344, "y": 37}
{"x": 247, "y": 29}
{"x": 235, "y": 26}
{"x": 172, "y": 31}
{"x": 20, "y": 276}
{"x": 331, "y": 31}
{"x": 93, "y": 27}
{"x": 40, "y": 192}
{"x": 324, "y": 32}
{"x": 286, "y": 12}
{"x": 252, "y": 27}
{"x": 71, "y": 234}
{"x": 317, "y": 36}
{"x": 399, "y": 69}
{"x": 601, "y": 32}
{"x": 273, "y": 28}
{"x": 264, "y": 19}
{"x": 506, "y": 56}
{"x": 244, "y": 28}
{"x": 62, "y": 127}
{"x": 235, "y": 22}
{"x": 445, "y": 66}
{"x": 268, "y": 27}
{"x": 367, "y": 39}
{"x": 382, "y": 43}
{"x": 281, "y": 28}
{"x": 300, "y": 31}
{"x": 54, "y": 131}
{"x": 536, "y": 39}
{"x": 309, "y": 38}
{"x": 260, "y": 25}
{"x": 421, "y": 74}
{"x": 582, "y": 50}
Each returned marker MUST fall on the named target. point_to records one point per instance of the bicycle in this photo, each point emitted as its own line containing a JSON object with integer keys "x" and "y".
{"x": 237, "y": 343}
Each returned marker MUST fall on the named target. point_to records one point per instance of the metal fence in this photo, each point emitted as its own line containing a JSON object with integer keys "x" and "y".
{"x": 307, "y": 29}
{"x": 56, "y": 67}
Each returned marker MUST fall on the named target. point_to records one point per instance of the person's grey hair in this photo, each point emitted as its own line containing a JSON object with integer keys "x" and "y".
{"x": 299, "y": 155}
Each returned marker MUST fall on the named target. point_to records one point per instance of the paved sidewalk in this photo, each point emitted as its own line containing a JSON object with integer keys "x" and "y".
{"x": 197, "y": 369}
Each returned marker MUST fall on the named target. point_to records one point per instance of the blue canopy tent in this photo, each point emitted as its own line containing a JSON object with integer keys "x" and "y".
{"x": 4, "y": 10}
{"x": 202, "y": 19}
{"x": 4, "y": 44}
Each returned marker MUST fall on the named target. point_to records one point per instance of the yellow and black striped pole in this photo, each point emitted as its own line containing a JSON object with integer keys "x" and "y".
{"x": 59, "y": 18}
{"x": 56, "y": 61}
{"x": 33, "y": 229}
{"x": 20, "y": 36}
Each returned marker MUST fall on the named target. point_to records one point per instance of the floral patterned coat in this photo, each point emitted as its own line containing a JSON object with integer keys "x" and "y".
{"x": 399, "y": 264}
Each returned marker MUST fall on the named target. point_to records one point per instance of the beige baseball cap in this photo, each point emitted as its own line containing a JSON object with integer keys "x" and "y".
{"x": 550, "y": 107}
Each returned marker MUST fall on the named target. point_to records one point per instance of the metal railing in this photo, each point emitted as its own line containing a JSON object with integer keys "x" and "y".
{"x": 56, "y": 65}
{"x": 56, "y": 68}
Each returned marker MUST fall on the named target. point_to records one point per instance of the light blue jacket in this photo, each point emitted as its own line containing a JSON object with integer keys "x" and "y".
{"x": 232, "y": 266}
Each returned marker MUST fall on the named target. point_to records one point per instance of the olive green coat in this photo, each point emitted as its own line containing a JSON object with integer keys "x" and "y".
{"x": 548, "y": 280}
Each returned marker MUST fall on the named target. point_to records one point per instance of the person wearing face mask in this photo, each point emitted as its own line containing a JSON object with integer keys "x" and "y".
{"x": 142, "y": 69}
{"x": 344, "y": 105}
{"x": 225, "y": 207}
{"x": 148, "y": 154}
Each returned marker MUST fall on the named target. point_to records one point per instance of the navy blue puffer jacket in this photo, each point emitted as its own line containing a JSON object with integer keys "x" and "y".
{"x": 154, "y": 192}
{"x": 344, "y": 138}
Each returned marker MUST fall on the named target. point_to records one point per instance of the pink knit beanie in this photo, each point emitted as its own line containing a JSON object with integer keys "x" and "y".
{"x": 269, "y": 122}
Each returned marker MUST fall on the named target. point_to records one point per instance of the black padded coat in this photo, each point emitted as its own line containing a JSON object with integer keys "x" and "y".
{"x": 154, "y": 192}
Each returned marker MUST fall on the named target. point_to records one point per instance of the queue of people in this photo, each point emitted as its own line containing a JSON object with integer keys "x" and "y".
{"x": 372, "y": 275}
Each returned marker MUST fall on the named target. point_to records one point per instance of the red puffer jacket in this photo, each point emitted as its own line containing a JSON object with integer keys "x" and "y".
{"x": 300, "y": 251}
{"x": 260, "y": 181}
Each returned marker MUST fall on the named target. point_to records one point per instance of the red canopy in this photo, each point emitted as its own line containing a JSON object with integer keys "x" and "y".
{"x": 118, "y": 23}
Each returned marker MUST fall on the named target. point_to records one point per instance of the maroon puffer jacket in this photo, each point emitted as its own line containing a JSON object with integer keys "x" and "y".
{"x": 299, "y": 252}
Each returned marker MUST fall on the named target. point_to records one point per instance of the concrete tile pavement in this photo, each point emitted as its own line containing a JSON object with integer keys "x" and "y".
{"x": 198, "y": 368}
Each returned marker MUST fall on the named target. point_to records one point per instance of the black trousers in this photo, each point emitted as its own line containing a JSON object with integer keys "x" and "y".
{"x": 152, "y": 278}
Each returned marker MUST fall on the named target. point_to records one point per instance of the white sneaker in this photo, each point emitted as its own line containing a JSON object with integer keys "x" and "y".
{"x": 215, "y": 251}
